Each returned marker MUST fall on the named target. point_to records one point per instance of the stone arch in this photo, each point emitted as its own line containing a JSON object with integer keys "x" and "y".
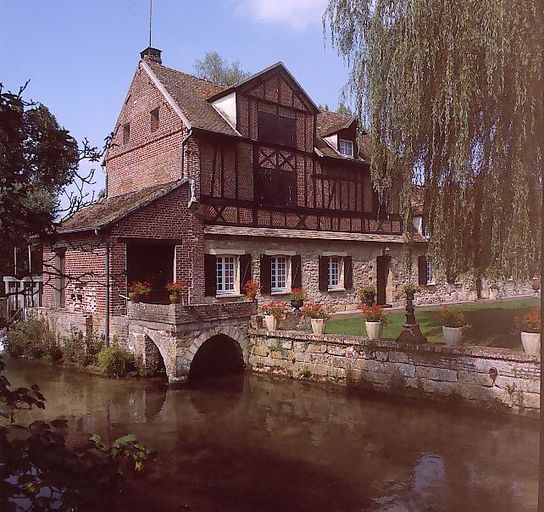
{"x": 166, "y": 346}
{"x": 236, "y": 335}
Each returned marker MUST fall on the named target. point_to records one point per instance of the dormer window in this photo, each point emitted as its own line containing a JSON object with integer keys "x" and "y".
{"x": 345, "y": 147}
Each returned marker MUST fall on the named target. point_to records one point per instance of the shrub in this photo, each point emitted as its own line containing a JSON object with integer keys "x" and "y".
{"x": 275, "y": 308}
{"x": 452, "y": 317}
{"x": 251, "y": 288}
{"x": 141, "y": 288}
{"x": 529, "y": 322}
{"x": 116, "y": 362}
{"x": 367, "y": 292}
{"x": 298, "y": 294}
{"x": 30, "y": 338}
{"x": 316, "y": 310}
{"x": 81, "y": 351}
{"x": 374, "y": 314}
{"x": 176, "y": 288}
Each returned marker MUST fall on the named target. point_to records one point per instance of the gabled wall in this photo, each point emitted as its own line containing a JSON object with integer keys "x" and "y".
{"x": 149, "y": 158}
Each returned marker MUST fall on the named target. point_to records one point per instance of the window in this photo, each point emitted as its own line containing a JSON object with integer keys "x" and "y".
{"x": 280, "y": 269}
{"x": 426, "y": 230}
{"x": 430, "y": 273}
{"x": 345, "y": 147}
{"x": 335, "y": 270}
{"x": 276, "y": 129}
{"x": 126, "y": 133}
{"x": 274, "y": 187}
{"x": 155, "y": 120}
{"x": 227, "y": 275}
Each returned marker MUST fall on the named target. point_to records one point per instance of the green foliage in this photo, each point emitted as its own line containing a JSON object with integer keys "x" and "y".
{"x": 116, "y": 362}
{"x": 81, "y": 351}
{"x": 30, "y": 338}
{"x": 216, "y": 69}
{"x": 451, "y": 93}
{"x": 38, "y": 469}
{"x": 304, "y": 373}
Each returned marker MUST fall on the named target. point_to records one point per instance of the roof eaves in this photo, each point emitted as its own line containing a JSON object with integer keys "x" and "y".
{"x": 257, "y": 75}
{"x": 125, "y": 213}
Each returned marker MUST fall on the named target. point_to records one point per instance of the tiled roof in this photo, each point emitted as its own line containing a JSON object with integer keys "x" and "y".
{"x": 191, "y": 94}
{"x": 112, "y": 209}
{"x": 329, "y": 123}
{"x": 307, "y": 234}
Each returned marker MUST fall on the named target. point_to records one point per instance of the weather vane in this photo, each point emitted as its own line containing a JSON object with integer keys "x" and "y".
{"x": 150, "y": 19}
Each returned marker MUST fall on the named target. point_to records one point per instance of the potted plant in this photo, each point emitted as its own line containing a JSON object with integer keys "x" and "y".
{"x": 375, "y": 319}
{"x": 410, "y": 290}
{"x": 368, "y": 295}
{"x": 453, "y": 323}
{"x": 138, "y": 289}
{"x": 535, "y": 284}
{"x": 493, "y": 291}
{"x": 273, "y": 312}
{"x": 318, "y": 315}
{"x": 176, "y": 290}
{"x": 530, "y": 328}
{"x": 251, "y": 288}
{"x": 298, "y": 296}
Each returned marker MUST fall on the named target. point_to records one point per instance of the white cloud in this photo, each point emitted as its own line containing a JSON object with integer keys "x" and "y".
{"x": 296, "y": 13}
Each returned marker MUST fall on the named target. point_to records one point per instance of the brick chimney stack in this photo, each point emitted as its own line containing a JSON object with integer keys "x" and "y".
{"x": 151, "y": 55}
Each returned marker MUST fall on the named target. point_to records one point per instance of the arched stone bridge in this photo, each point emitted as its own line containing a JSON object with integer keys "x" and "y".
{"x": 175, "y": 334}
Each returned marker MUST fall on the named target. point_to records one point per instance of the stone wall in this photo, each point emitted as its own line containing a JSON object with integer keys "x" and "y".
{"x": 493, "y": 378}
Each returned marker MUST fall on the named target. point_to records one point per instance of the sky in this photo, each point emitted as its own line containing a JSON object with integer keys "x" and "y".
{"x": 80, "y": 55}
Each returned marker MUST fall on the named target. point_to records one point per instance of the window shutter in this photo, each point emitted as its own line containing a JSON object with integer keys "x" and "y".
{"x": 245, "y": 270}
{"x": 422, "y": 270}
{"x": 266, "y": 281}
{"x": 296, "y": 272}
{"x": 348, "y": 273}
{"x": 210, "y": 275}
{"x": 323, "y": 273}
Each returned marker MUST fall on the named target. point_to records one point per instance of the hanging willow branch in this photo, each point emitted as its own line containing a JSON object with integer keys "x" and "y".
{"x": 453, "y": 95}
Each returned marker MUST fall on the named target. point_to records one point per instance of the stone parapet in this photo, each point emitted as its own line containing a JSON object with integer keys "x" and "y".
{"x": 487, "y": 377}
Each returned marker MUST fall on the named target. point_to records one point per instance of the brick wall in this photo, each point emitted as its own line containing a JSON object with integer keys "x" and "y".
{"x": 149, "y": 158}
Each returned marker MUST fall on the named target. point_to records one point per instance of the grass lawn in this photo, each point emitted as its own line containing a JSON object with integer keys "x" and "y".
{"x": 491, "y": 323}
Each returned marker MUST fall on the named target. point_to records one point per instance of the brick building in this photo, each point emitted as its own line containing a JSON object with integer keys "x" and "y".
{"x": 215, "y": 186}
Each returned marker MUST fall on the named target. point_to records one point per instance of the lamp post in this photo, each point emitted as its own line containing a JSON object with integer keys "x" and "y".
{"x": 411, "y": 333}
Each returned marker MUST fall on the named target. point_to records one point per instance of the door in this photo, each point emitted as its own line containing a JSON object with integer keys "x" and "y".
{"x": 382, "y": 279}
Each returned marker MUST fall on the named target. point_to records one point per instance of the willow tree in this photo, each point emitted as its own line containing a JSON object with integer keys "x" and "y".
{"x": 452, "y": 94}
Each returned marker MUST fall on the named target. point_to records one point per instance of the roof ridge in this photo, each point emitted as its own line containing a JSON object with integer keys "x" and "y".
{"x": 205, "y": 80}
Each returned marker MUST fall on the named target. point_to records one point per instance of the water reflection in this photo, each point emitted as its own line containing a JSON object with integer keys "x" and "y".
{"x": 251, "y": 443}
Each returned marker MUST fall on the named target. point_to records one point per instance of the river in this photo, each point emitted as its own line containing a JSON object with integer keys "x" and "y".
{"x": 251, "y": 443}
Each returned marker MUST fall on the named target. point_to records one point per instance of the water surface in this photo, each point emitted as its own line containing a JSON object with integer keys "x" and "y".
{"x": 250, "y": 443}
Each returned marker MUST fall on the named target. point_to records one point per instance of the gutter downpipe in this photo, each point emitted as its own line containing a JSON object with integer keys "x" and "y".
{"x": 107, "y": 298}
{"x": 185, "y": 139}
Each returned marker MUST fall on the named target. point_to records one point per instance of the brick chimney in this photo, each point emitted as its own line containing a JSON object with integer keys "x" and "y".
{"x": 151, "y": 55}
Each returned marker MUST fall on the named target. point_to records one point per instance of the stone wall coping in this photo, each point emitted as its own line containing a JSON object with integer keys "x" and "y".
{"x": 504, "y": 354}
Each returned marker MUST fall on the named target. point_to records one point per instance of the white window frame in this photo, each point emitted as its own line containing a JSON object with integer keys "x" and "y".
{"x": 339, "y": 286}
{"x": 429, "y": 272}
{"x": 348, "y": 146}
{"x": 273, "y": 279}
{"x": 221, "y": 283}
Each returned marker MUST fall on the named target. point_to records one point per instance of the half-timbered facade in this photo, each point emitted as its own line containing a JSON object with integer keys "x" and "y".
{"x": 215, "y": 186}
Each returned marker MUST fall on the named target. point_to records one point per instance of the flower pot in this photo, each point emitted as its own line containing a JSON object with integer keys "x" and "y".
{"x": 452, "y": 335}
{"x": 530, "y": 342}
{"x": 270, "y": 323}
{"x": 374, "y": 330}
{"x": 318, "y": 325}
{"x": 297, "y": 304}
{"x": 493, "y": 293}
{"x": 174, "y": 299}
{"x": 134, "y": 297}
